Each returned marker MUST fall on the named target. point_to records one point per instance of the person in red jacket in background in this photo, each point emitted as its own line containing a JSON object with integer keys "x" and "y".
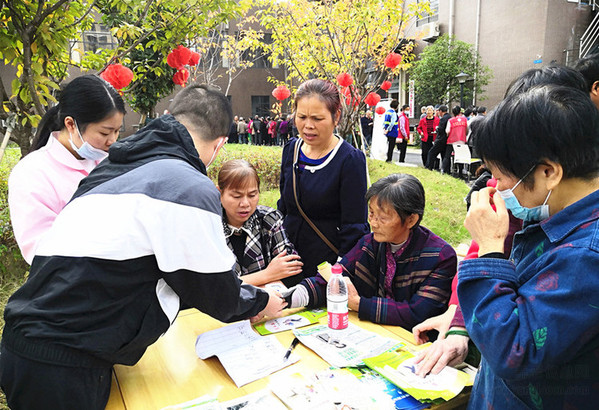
{"x": 457, "y": 129}
{"x": 427, "y": 129}
{"x": 403, "y": 134}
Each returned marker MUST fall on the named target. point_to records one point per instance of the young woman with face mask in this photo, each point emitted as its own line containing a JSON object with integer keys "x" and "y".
{"x": 72, "y": 138}
{"x": 254, "y": 232}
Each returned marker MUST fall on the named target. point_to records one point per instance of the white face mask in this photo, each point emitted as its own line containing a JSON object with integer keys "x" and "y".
{"x": 218, "y": 146}
{"x": 86, "y": 150}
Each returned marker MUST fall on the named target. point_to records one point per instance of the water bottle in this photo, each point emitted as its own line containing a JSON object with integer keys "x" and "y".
{"x": 337, "y": 299}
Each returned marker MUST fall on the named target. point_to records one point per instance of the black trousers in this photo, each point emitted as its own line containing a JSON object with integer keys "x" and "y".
{"x": 32, "y": 385}
{"x": 446, "y": 167}
{"x": 425, "y": 147}
{"x": 402, "y": 147}
{"x": 438, "y": 148}
{"x": 390, "y": 148}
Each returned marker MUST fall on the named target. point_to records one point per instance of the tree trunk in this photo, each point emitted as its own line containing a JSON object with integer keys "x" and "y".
{"x": 23, "y": 136}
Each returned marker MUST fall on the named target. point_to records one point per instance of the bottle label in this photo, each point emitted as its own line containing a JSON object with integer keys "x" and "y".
{"x": 338, "y": 320}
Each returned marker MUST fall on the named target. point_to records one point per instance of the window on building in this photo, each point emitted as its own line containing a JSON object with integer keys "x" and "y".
{"x": 98, "y": 37}
{"x": 429, "y": 17}
{"x": 260, "y": 105}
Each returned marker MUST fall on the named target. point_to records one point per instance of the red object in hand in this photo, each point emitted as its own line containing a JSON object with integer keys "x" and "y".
{"x": 372, "y": 99}
{"x": 386, "y": 85}
{"x": 180, "y": 77}
{"x": 281, "y": 92}
{"x": 380, "y": 110}
{"x": 392, "y": 60}
{"x": 178, "y": 57}
{"x": 345, "y": 79}
{"x": 117, "y": 75}
{"x": 194, "y": 59}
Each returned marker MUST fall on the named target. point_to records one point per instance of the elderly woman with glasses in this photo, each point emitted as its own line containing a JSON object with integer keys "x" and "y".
{"x": 401, "y": 273}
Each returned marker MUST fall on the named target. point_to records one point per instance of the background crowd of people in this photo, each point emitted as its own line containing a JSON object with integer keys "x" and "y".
{"x": 262, "y": 130}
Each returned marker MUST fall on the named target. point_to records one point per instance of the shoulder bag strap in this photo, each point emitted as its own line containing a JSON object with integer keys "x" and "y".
{"x": 320, "y": 234}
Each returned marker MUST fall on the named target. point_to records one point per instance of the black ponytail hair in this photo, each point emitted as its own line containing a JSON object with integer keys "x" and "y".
{"x": 87, "y": 99}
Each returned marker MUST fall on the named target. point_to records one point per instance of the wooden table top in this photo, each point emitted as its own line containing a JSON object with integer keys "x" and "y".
{"x": 170, "y": 371}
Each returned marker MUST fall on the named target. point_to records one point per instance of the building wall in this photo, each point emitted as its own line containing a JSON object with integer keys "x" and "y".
{"x": 514, "y": 35}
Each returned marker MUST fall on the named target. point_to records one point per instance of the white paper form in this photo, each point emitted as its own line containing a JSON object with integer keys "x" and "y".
{"x": 347, "y": 347}
{"x": 245, "y": 355}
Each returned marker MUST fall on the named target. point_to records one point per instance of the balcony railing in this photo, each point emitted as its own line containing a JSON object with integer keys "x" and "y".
{"x": 590, "y": 37}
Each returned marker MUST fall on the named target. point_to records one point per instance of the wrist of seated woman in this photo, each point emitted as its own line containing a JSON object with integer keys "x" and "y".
{"x": 457, "y": 331}
{"x": 297, "y": 297}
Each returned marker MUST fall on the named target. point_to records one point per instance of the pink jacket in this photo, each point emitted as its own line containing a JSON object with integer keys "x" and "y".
{"x": 39, "y": 186}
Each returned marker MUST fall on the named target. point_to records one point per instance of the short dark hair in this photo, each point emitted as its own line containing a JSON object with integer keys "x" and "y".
{"x": 443, "y": 108}
{"x": 394, "y": 104}
{"x": 326, "y": 91}
{"x": 87, "y": 99}
{"x": 204, "y": 109}
{"x": 456, "y": 110}
{"x": 553, "y": 74}
{"x": 545, "y": 122}
{"x": 481, "y": 110}
{"x": 468, "y": 111}
{"x": 403, "y": 192}
{"x": 403, "y": 107}
{"x": 589, "y": 68}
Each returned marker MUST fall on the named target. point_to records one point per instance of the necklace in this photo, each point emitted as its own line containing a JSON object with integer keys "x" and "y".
{"x": 313, "y": 155}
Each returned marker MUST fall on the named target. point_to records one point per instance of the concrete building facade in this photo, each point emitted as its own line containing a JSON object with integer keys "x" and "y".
{"x": 511, "y": 36}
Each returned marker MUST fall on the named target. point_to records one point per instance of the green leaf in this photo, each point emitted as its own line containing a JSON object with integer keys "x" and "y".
{"x": 535, "y": 397}
{"x": 540, "y": 336}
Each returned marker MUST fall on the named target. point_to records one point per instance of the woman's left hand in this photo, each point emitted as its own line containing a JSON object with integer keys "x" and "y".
{"x": 353, "y": 299}
{"x": 487, "y": 227}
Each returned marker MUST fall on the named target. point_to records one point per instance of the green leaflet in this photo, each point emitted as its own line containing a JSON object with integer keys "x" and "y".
{"x": 535, "y": 397}
{"x": 540, "y": 336}
{"x": 539, "y": 249}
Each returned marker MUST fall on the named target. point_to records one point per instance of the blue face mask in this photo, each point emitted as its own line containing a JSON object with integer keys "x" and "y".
{"x": 86, "y": 150}
{"x": 536, "y": 214}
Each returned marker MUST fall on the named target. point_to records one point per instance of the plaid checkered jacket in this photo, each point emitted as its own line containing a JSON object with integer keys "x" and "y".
{"x": 266, "y": 238}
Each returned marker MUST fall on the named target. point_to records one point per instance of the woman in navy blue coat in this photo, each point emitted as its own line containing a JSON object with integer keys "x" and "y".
{"x": 330, "y": 180}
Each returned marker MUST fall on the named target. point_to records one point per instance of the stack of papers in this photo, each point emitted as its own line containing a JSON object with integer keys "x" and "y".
{"x": 352, "y": 388}
{"x": 398, "y": 367}
{"x": 245, "y": 355}
{"x": 347, "y": 347}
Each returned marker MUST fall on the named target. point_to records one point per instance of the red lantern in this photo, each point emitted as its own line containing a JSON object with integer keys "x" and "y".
{"x": 180, "y": 77}
{"x": 386, "y": 85}
{"x": 348, "y": 91}
{"x": 179, "y": 57}
{"x": 281, "y": 92}
{"x": 194, "y": 59}
{"x": 380, "y": 110}
{"x": 392, "y": 60}
{"x": 372, "y": 99}
{"x": 345, "y": 79}
{"x": 117, "y": 75}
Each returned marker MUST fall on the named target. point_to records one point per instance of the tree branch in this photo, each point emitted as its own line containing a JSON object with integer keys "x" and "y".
{"x": 39, "y": 19}
{"x": 144, "y": 13}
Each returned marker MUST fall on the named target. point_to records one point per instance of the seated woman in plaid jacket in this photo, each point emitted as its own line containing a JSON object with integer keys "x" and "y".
{"x": 254, "y": 232}
{"x": 401, "y": 273}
